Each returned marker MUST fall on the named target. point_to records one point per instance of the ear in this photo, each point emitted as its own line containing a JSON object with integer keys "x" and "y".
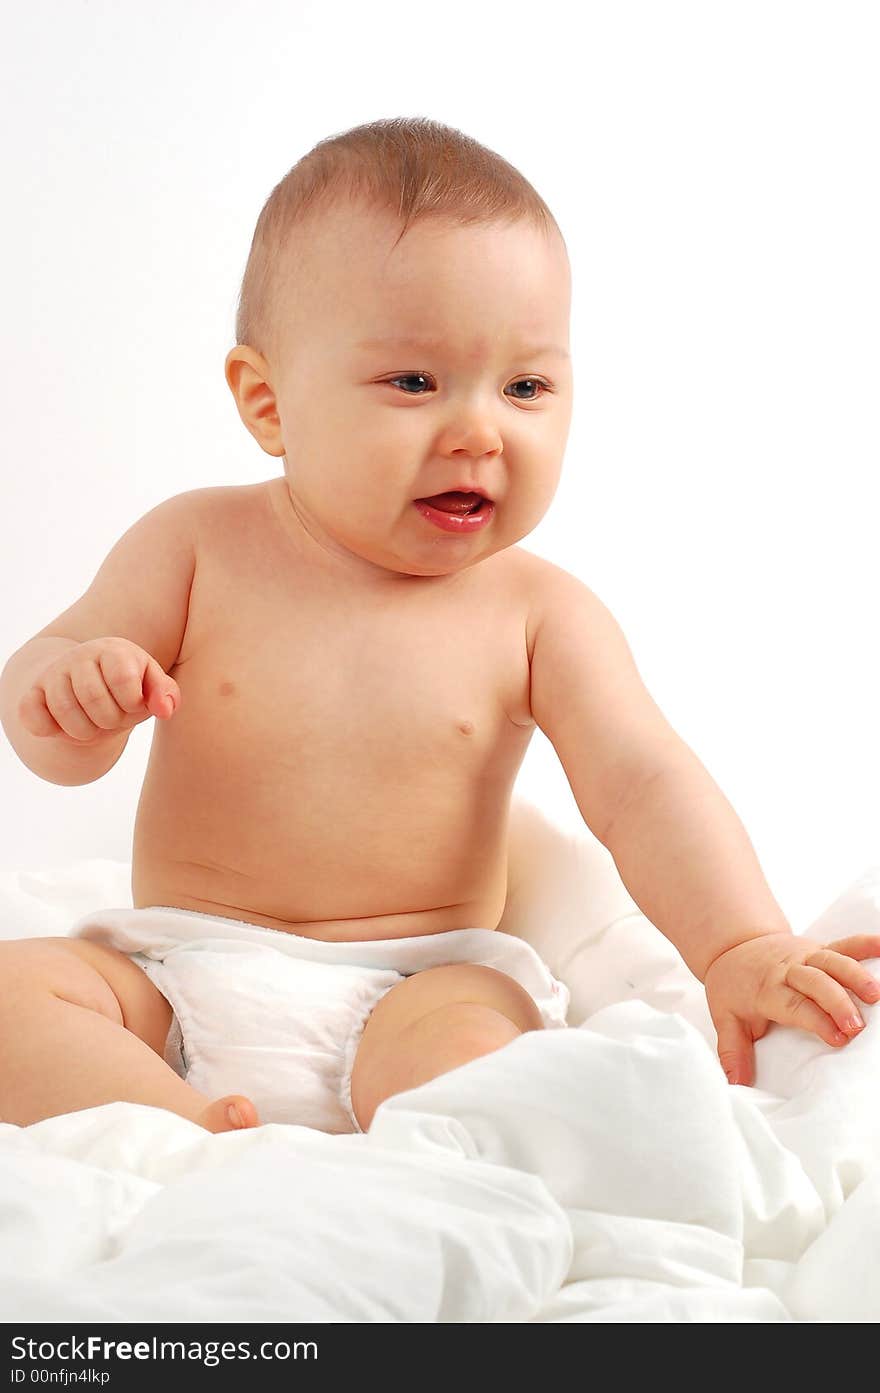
{"x": 248, "y": 375}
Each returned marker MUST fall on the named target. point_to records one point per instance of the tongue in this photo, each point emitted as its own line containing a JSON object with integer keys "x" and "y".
{"x": 454, "y": 502}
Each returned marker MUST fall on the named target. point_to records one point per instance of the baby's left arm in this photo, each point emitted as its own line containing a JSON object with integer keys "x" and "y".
{"x": 682, "y": 852}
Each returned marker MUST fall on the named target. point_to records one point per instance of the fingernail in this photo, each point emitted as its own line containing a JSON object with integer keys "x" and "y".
{"x": 234, "y": 1115}
{"x": 840, "y": 1038}
{"x": 853, "y": 1023}
{"x": 731, "y": 1076}
{"x": 873, "y": 987}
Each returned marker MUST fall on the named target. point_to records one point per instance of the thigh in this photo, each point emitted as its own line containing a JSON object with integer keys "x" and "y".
{"x": 90, "y": 975}
{"x": 450, "y": 985}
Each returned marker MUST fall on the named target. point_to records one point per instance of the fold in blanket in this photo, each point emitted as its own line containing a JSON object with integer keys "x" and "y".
{"x": 605, "y": 1173}
{"x": 602, "y": 1173}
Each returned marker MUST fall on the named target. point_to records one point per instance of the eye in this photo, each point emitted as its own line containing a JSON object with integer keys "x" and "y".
{"x": 531, "y": 381}
{"x": 409, "y": 377}
{"x": 423, "y": 377}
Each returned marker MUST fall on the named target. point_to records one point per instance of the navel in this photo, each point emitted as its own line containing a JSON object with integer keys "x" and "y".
{"x": 227, "y": 688}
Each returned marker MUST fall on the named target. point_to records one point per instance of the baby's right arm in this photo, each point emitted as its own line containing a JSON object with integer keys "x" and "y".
{"x": 125, "y": 631}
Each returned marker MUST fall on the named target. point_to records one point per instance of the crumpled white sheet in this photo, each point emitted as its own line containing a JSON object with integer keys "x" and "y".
{"x": 603, "y": 1173}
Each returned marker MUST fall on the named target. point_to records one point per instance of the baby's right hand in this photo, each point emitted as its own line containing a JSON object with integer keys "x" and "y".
{"x": 100, "y": 688}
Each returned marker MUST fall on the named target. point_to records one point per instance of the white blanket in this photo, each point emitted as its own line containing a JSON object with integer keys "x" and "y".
{"x": 603, "y": 1173}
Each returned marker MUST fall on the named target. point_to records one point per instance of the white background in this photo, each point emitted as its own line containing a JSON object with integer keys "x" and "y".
{"x": 713, "y": 168}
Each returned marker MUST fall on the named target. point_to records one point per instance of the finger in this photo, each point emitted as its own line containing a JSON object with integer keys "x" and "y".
{"x": 736, "y": 1050}
{"x": 837, "y": 1003}
{"x": 846, "y": 971}
{"x": 124, "y": 677}
{"x": 64, "y": 706}
{"x": 91, "y": 692}
{"x": 802, "y": 1012}
{"x": 858, "y": 946}
{"x": 161, "y": 692}
{"x": 35, "y": 715}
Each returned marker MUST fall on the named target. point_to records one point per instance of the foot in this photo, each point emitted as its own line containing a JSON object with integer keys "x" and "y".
{"x": 230, "y": 1114}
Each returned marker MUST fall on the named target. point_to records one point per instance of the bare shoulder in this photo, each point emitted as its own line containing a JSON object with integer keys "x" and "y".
{"x": 216, "y": 499}
{"x": 588, "y": 697}
{"x": 216, "y": 508}
{"x": 550, "y": 591}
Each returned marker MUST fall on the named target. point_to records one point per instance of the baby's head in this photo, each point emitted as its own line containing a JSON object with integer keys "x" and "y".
{"x": 403, "y": 331}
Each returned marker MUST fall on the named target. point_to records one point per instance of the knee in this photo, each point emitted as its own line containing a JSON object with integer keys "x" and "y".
{"x": 442, "y": 1039}
{"x": 432, "y": 1021}
{"x": 474, "y": 984}
{"x": 91, "y": 975}
{"x": 31, "y": 967}
{"x": 469, "y": 1028}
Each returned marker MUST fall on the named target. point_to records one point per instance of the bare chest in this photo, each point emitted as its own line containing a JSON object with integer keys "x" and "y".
{"x": 336, "y": 761}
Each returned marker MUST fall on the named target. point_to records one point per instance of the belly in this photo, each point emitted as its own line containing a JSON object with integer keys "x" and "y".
{"x": 339, "y": 832}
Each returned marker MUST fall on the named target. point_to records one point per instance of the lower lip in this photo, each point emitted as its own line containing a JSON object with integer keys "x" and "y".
{"x": 457, "y": 522}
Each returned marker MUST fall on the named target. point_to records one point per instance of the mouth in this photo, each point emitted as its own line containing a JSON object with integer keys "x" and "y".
{"x": 456, "y": 510}
{"x": 456, "y": 501}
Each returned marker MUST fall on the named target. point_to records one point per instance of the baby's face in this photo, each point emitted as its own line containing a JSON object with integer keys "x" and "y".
{"x": 398, "y": 375}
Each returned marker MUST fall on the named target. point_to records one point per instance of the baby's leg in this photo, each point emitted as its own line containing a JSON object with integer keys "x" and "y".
{"x": 81, "y": 1025}
{"x": 434, "y": 1021}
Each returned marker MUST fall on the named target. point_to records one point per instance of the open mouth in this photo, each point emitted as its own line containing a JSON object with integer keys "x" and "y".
{"x": 459, "y": 504}
{"x": 456, "y": 512}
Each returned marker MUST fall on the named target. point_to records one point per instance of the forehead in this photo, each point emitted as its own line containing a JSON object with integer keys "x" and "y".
{"x": 438, "y": 279}
{"x": 479, "y": 347}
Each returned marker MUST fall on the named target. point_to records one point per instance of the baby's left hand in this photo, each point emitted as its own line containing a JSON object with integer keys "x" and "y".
{"x": 793, "y": 981}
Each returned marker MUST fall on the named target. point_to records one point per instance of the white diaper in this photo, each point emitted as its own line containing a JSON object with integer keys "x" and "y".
{"x": 279, "y": 1017}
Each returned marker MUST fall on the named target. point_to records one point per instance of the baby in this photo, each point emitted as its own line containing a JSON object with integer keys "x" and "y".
{"x": 345, "y": 665}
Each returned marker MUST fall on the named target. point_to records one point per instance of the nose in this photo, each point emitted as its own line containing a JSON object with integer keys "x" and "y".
{"x": 473, "y": 432}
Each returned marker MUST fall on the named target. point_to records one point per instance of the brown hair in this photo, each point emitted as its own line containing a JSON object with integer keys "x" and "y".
{"x": 412, "y": 166}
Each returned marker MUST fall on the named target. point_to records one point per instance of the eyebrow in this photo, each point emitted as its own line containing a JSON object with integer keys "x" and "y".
{"x": 405, "y": 341}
